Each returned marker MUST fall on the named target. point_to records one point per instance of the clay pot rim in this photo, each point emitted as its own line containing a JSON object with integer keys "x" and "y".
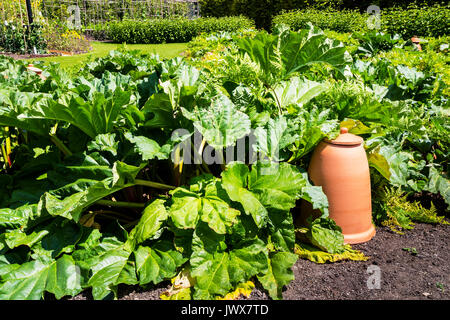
{"x": 344, "y": 144}
{"x": 346, "y": 139}
{"x": 34, "y": 69}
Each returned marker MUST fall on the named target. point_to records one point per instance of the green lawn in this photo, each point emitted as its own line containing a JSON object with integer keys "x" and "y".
{"x": 100, "y": 49}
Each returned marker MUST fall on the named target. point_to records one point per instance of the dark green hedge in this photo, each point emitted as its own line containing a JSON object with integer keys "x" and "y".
{"x": 432, "y": 21}
{"x": 413, "y": 20}
{"x": 172, "y": 30}
{"x": 262, "y": 11}
{"x": 340, "y": 21}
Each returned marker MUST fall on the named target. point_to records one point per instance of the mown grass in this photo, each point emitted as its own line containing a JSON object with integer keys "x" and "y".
{"x": 100, "y": 49}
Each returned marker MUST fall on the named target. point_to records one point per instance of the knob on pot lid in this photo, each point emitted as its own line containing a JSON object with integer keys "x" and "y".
{"x": 346, "y": 139}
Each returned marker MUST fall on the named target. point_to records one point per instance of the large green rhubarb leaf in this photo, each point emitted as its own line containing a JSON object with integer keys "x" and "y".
{"x": 150, "y": 223}
{"x": 247, "y": 259}
{"x": 158, "y": 262}
{"x": 279, "y": 273}
{"x": 211, "y": 274}
{"x": 267, "y": 186}
{"x": 31, "y": 279}
{"x": 70, "y": 200}
{"x": 17, "y": 238}
{"x": 297, "y": 91}
{"x": 14, "y": 218}
{"x": 111, "y": 269}
{"x": 104, "y": 142}
{"x": 215, "y": 270}
{"x": 57, "y": 203}
{"x": 439, "y": 184}
{"x": 189, "y": 207}
{"x": 148, "y": 148}
{"x": 273, "y": 138}
{"x": 310, "y": 45}
{"x": 221, "y": 124}
{"x": 284, "y": 53}
{"x": 93, "y": 117}
{"x": 325, "y": 234}
{"x": 312, "y": 126}
{"x": 15, "y": 107}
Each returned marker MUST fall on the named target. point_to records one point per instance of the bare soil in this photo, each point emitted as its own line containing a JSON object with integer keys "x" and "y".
{"x": 18, "y": 56}
{"x": 404, "y": 275}
{"x": 53, "y": 53}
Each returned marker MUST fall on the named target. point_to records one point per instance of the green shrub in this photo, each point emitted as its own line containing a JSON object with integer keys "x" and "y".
{"x": 172, "y": 30}
{"x": 97, "y": 31}
{"x": 340, "y": 21}
{"x": 16, "y": 38}
{"x": 260, "y": 11}
{"x": 429, "y": 21}
{"x": 263, "y": 11}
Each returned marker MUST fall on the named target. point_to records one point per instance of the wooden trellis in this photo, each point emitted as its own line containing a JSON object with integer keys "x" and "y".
{"x": 88, "y": 12}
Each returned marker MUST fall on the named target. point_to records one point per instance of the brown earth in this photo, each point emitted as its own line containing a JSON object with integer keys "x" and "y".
{"x": 19, "y": 56}
{"x": 405, "y": 275}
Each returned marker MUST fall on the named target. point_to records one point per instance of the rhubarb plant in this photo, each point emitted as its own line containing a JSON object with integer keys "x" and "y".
{"x": 135, "y": 171}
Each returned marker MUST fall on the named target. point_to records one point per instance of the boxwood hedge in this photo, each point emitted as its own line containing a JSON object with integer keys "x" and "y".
{"x": 431, "y": 21}
{"x": 172, "y": 30}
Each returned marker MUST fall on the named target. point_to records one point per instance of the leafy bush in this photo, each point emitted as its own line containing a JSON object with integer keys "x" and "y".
{"x": 413, "y": 20}
{"x": 401, "y": 214}
{"x": 422, "y": 21}
{"x": 339, "y": 21}
{"x": 60, "y": 38}
{"x": 172, "y": 30}
{"x": 259, "y": 11}
{"x": 373, "y": 42}
{"x": 97, "y": 31}
{"x": 263, "y": 11}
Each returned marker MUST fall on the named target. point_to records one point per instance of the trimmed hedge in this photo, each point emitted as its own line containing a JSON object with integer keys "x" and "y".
{"x": 339, "y": 21}
{"x": 262, "y": 11}
{"x": 432, "y": 21}
{"x": 172, "y": 30}
{"x": 429, "y": 21}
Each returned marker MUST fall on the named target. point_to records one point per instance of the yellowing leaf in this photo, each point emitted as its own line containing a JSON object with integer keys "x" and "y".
{"x": 316, "y": 255}
{"x": 88, "y": 219}
{"x": 356, "y": 126}
{"x": 244, "y": 289}
{"x": 380, "y": 163}
{"x": 181, "y": 287}
{"x": 179, "y": 294}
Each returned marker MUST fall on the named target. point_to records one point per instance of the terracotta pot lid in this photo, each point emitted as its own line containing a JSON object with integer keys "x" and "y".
{"x": 346, "y": 139}
{"x": 34, "y": 69}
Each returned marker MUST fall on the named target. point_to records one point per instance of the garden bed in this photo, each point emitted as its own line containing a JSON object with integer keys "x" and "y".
{"x": 98, "y": 180}
{"x": 52, "y": 53}
{"x": 28, "y": 55}
{"x": 404, "y": 274}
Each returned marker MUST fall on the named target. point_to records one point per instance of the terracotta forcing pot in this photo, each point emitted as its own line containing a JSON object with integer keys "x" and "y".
{"x": 340, "y": 166}
{"x": 36, "y": 70}
{"x": 416, "y": 42}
